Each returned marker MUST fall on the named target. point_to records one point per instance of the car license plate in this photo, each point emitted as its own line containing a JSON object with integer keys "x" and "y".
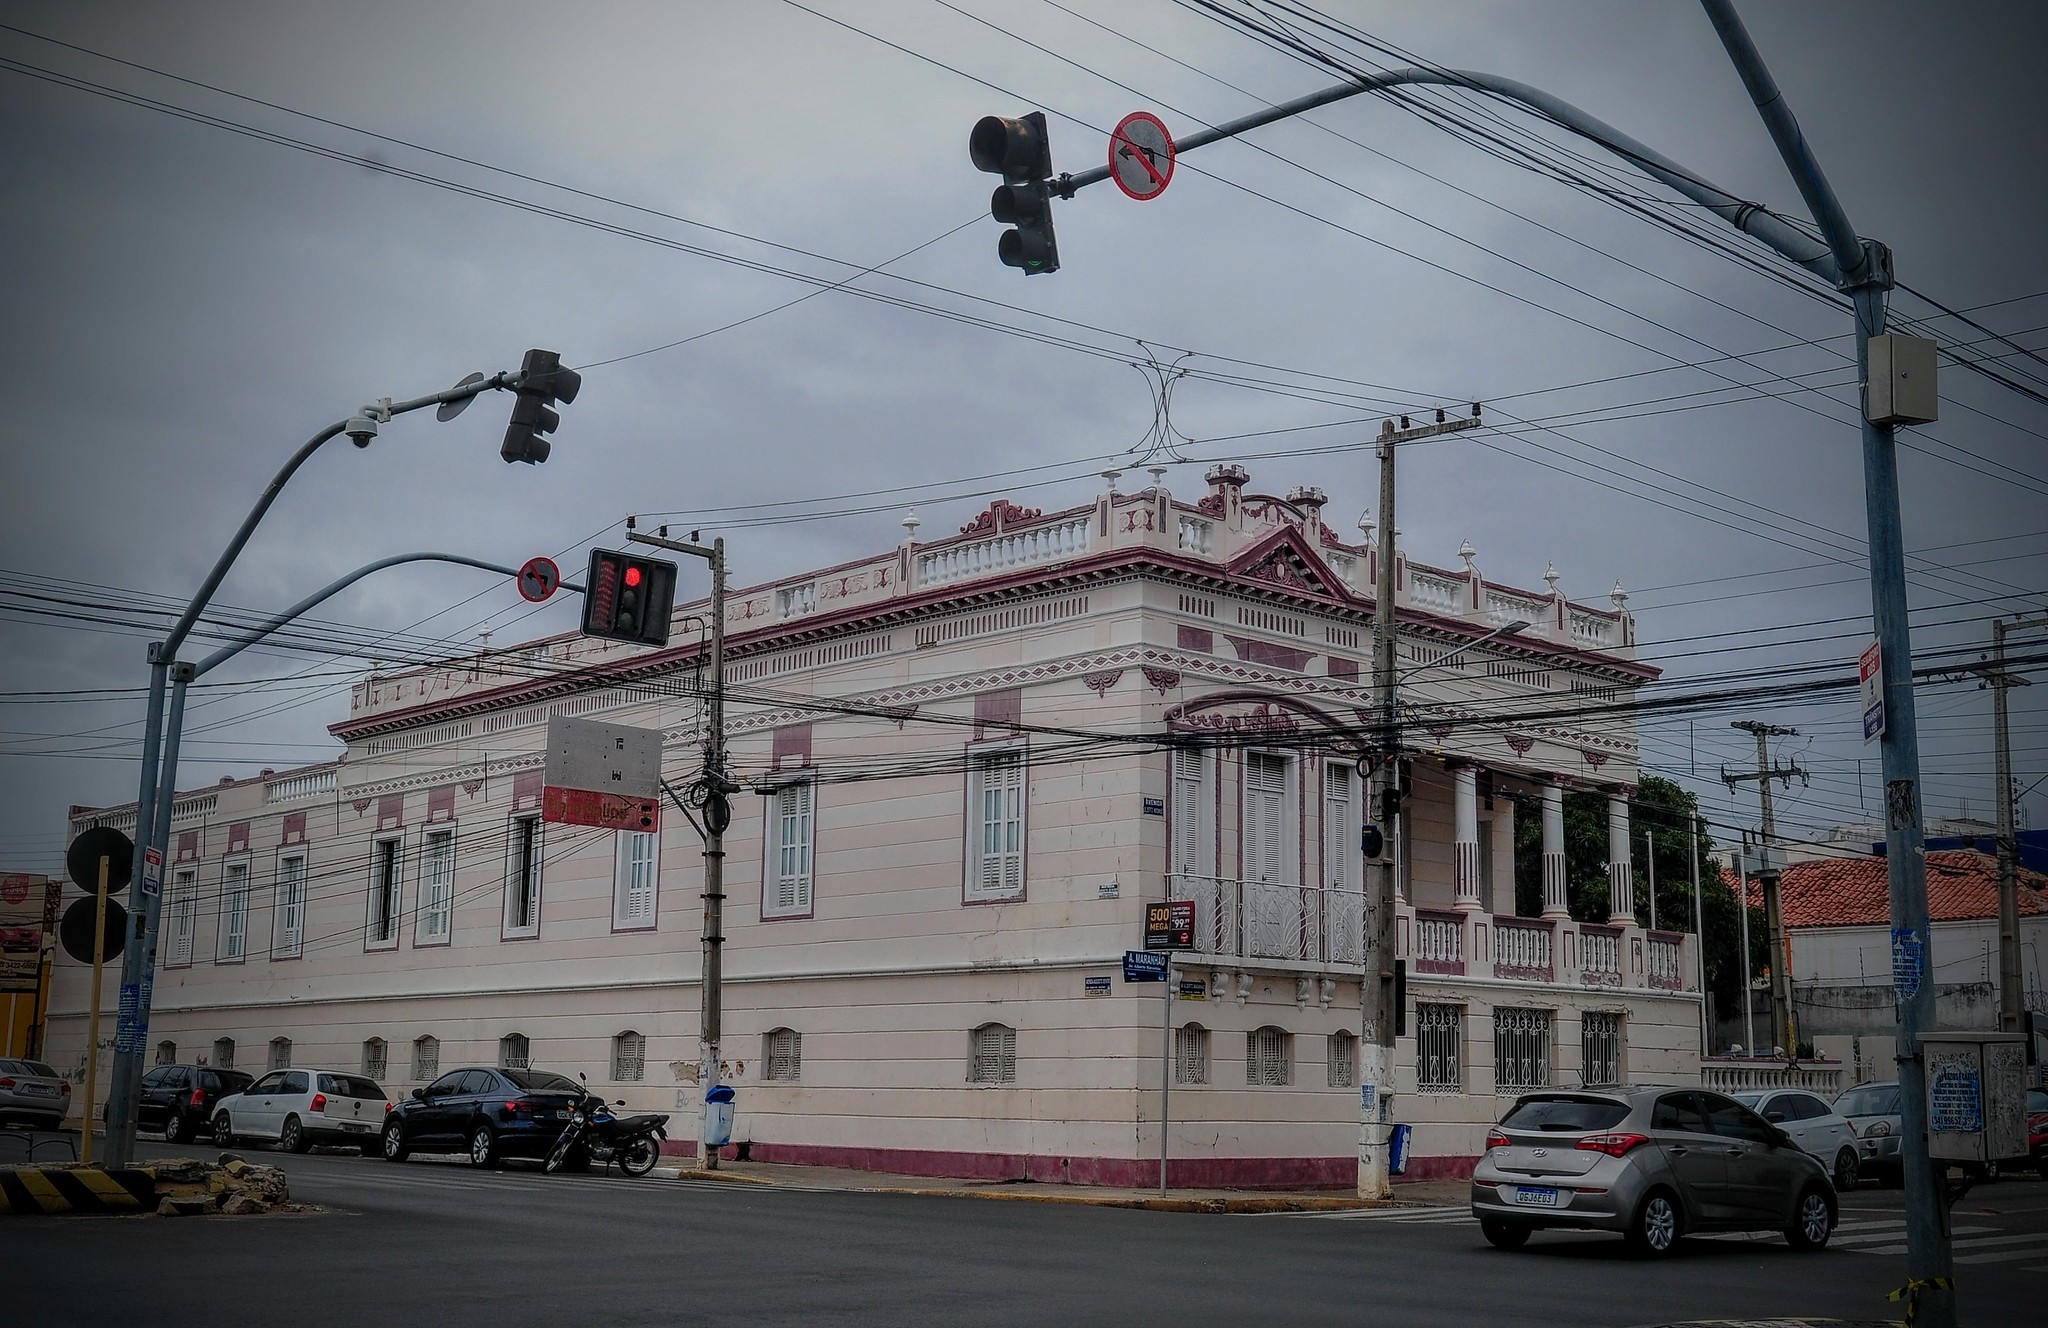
{"x": 563, "y": 1114}
{"x": 38, "y": 1090}
{"x": 357, "y": 1126}
{"x": 1536, "y": 1196}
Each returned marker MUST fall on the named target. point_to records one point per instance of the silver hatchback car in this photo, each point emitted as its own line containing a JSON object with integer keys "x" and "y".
{"x": 1654, "y": 1164}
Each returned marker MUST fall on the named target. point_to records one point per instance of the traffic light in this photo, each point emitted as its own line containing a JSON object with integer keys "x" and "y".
{"x": 628, "y": 598}
{"x": 542, "y": 382}
{"x": 1021, "y": 152}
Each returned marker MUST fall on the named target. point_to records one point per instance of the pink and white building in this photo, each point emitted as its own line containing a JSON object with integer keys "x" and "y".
{"x": 977, "y": 758}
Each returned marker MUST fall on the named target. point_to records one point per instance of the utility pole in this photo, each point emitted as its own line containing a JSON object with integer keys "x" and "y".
{"x": 1748, "y": 983}
{"x": 2011, "y": 995}
{"x": 1699, "y": 936}
{"x": 716, "y": 789}
{"x": 1650, "y": 866}
{"x": 1787, "y": 1030}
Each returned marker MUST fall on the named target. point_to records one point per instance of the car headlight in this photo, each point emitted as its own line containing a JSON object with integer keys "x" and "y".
{"x": 1878, "y": 1130}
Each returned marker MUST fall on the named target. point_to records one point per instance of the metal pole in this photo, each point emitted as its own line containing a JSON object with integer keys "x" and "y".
{"x": 123, "y": 1091}
{"x": 712, "y": 998}
{"x": 1376, "y": 1031}
{"x": 92, "y": 1044}
{"x": 1650, "y": 867}
{"x": 1165, "y": 1071}
{"x": 1699, "y": 936}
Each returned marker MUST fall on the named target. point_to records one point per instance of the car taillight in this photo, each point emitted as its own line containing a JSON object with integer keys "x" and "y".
{"x": 64, "y": 1088}
{"x": 6, "y": 1083}
{"x": 198, "y": 1097}
{"x": 319, "y": 1102}
{"x": 1614, "y": 1145}
{"x": 387, "y": 1106}
{"x": 1498, "y": 1139}
{"x": 515, "y": 1108}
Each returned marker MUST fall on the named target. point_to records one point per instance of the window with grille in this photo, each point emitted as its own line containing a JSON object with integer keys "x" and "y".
{"x": 234, "y": 912}
{"x": 288, "y": 922}
{"x": 280, "y": 1054}
{"x": 426, "y": 1057}
{"x": 1193, "y": 849}
{"x": 223, "y": 1053}
{"x": 629, "y": 1058}
{"x": 992, "y": 1055}
{"x": 376, "y": 1058}
{"x": 522, "y": 878}
{"x": 784, "y": 1055}
{"x": 387, "y": 865}
{"x": 437, "y": 887}
{"x": 513, "y": 1052}
{"x": 787, "y": 862}
{"x": 1265, "y": 816}
{"x": 636, "y": 880}
{"x": 1191, "y": 1054}
{"x": 181, "y": 910}
{"x": 1341, "y": 1060}
{"x": 995, "y": 824}
{"x": 1268, "y": 1058}
{"x": 1521, "y": 1050}
{"x": 166, "y": 1053}
{"x": 1600, "y": 1049}
{"x": 1439, "y": 1049}
{"x": 1340, "y": 827}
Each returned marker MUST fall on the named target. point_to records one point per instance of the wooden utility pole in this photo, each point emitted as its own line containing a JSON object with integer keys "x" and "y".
{"x": 1787, "y": 1030}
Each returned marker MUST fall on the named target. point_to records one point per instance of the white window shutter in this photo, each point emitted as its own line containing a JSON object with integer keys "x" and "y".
{"x": 1265, "y": 787}
{"x": 1190, "y": 810}
{"x": 997, "y": 832}
{"x": 1339, "y": 826}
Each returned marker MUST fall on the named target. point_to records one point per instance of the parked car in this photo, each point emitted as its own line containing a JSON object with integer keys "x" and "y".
{"x": 1655, "y": 1164}
{"x": 488, "y": 1112}
{"x": 32, "y": 1091}
{"x": 1813, "y": 1125}
{"x": 2037, "y": 1129}
{"x": 179, "y": 1099}
{"x": 299, "y": 1108}
{"x": 1872, "y": 1111}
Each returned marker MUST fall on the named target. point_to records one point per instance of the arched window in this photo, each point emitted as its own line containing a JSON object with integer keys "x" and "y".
{"x": 376, "y": 1055}
{"x": 166, "y": 1053}
{"x": 1268, "y": 1057}
{"x": 1341, "y": 1059}
{"x": 992, "y": 1055}
{"x": 281, "y": 1053}
{"x": 223, "y": 1053}
{"x": 513, "y": 1050}
{"x": 1191, "y": 1054}
{"x": 426, "y": 1057}
{"x": 783, "y": 1053}
{"x": 629, "y": 1058}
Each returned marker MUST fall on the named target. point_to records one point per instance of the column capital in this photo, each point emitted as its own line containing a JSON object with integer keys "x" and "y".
{"x": 1621, "y": 791}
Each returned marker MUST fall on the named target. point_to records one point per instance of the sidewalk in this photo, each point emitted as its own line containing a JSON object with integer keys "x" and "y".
{"x": 1419, "y": 1194}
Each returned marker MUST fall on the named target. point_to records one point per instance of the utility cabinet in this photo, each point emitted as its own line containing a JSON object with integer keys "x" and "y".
{"x": 1976, "y": 1096}
{"x": 1901, "y": 388}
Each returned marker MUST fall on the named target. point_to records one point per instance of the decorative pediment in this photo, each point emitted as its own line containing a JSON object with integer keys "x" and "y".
{"x": 1000, "y": 514}
{"x": 1285, "y": 559}
{"x": 1242, "y": 711}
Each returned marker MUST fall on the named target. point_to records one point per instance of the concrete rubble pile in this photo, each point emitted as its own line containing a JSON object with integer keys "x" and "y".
{"x": 187, "y": 1186}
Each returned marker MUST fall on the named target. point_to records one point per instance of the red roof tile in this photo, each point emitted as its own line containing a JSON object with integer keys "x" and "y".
{"x": 1856, "y": 891}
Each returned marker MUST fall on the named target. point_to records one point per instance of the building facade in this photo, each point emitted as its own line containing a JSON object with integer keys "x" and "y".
{"x": 971, "y": 762}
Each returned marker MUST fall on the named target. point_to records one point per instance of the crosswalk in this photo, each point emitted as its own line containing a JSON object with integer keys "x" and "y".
{"x": 1858, "y": 1233}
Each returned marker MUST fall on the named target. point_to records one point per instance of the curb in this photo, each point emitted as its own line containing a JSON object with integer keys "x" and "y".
{"x": 1151, "y": 1203}
{"x": 73, "y": 1189}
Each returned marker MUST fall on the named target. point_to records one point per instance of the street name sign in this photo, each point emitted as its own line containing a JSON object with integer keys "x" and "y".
{"x": 1870, "y": 674}
{"x": 1170, "y": 925}
{"x": 1144, "y": 966}
{"x": 1141, "y": 155}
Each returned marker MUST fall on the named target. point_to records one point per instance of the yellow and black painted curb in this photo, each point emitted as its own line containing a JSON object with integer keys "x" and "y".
{"x": 39, "y": 1190}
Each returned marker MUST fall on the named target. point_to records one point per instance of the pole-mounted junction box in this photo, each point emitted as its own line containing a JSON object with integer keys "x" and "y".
{"x": 1901, "y": 388}
{"x": 1976, "y": 1096}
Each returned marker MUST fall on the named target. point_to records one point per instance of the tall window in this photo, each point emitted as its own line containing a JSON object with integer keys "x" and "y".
{"x": 1439, "y": 1048}
{"x": 288, "y": 921}
{"x": 223, "y": 1053}
{"x": 1191, "y": 1054}
{"x": 513, "y": 1052}
{"x": 437, "y": 887}
{"x": 995, "y": 824}
{"x": 783, "y": 1054}
{"x": 787, "y": 890}
{"x": 1267, "y": 1057}
{"x": 629, "y": 1058}
{"x": 1600, "y": 1049}
{"x": 992, "y": 1055}
{"x": 376, "y": 1057}
{"x": 181, "y": 909}
{"x": 1193, "y": 807}
{"x": 166, "y": 1053}
{"x": 234, "y": 912}
{"x": 280, "y": 1053}
{"x": 426, "y": 1057}
{"x": 1265, "y": 816}
{"x": 1340, "y": 1059}
{"x": 387, "y": 867}
{"x": 1340, "y": 827}
{"x": 1521, "y": 1050}
{"x": 635, "y": 880}
{"x": 522, "y": 878}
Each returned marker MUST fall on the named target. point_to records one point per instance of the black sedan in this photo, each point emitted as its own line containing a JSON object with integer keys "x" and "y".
{"x": 490, "y": 1113}
{"x": 179, "y": 1099}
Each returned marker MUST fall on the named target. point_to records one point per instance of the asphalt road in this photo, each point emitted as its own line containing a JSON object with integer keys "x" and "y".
{"x": 436, "y": 1242}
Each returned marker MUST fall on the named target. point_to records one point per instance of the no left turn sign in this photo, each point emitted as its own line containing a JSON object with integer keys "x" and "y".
{"x": 538, "y": 579}
{"x": 1141, "y": 155}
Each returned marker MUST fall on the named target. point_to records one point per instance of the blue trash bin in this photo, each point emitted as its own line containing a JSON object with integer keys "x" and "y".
{"x": 1397, "y": 1150}
{"x": 718, "y": 1108}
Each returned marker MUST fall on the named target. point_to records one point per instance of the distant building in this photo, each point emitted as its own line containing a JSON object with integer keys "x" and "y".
{"x": 972, "y": 761}
{"x": 28, "y": 936}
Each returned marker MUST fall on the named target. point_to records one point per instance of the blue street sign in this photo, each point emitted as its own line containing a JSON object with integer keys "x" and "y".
{"x": 1144, "y": 966}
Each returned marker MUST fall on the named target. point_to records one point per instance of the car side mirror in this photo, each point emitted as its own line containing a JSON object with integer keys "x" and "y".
{"x": 420, "y": 1094}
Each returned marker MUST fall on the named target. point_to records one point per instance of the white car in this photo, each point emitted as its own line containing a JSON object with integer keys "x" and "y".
{"x": 1817, "y": 1129}
{"x": 299, "y": 1108}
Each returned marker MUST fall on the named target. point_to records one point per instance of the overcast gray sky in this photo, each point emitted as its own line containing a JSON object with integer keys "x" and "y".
{"x": 188, "y": 299}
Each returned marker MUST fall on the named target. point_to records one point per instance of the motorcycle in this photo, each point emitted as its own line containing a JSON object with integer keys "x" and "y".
{"x": 599, "y": 1136}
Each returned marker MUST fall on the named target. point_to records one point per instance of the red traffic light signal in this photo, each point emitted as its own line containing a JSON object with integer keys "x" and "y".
{"x": 628, "y": 598}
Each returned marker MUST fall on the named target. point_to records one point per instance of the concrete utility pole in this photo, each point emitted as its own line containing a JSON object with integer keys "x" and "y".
{"x": 1787, "y": 1030}
{"x": 2011, "y": 992}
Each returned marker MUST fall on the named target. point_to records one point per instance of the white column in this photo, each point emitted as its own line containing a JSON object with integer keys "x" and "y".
{"x": 1555, "y": 901}
{"x": 1621, "y": 886}
{"x": 1465, "y": 834}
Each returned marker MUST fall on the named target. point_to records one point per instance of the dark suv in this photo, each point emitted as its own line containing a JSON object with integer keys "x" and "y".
{"x": 178, "y": 1099}
{"x": 487, "y": 1112}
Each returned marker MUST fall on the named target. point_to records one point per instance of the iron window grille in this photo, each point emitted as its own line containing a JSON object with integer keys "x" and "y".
{"x": 1439, "y": 1049}
{"x": 1521, "y": 1050}
{"x": 280, "y": 1053}
{"x": 166, "y": 1053}
{"x": 376, "y": 1058}
{"x": 1191, "y": 1054}
{"x": 426, "y": 1057}
{"x": 1600, "y": 1049}
{"x": 223, "y": 1053}
{"x": 1266, "y": 1059}
{"x": 785, "y": 1056}
{"x": 1341, "y": 1060}
{"x": 513, "y": 1051}
{"x": 629, "y": 1058}
{"x": 992, "y": 1055}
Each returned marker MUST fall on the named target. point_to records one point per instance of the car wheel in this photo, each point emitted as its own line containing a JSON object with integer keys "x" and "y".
{"x": 1654, "y": 1230}
{"x": 1504, "y": 1235}
{"x": 638, "y": 1157}
{"x": 292, "y": 1138}
{"x": 483, "y": 1147}
{"x": 174, "y": 1128}
{"x": 394, "y": 1143}
{"x": 1813, "y": 1221}
{"x": 223, "y": 1131}
{"x": 1845, "y": 1169}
